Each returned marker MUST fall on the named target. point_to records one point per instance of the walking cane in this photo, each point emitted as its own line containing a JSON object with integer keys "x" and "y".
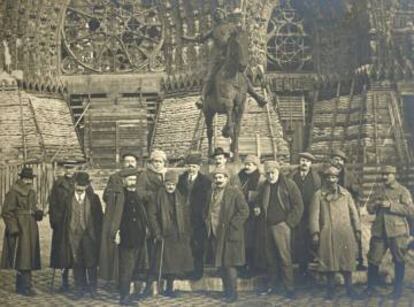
{"x": 160, "y": 271}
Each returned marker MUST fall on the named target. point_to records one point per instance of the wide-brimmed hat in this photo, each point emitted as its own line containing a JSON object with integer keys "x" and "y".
{"x": 308, "y": 156}
{"x": 27, "y": 172}
{"x": 339, "y": 153}
{"x": 82, "y": 179}
{"x": 220, "y": 151}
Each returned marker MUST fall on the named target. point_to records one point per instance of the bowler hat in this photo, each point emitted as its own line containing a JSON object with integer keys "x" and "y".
{"x": 27, "y": 172}
{"x": 171, "y": 176}
{"x": 308, "y": 156}
{"x": 82, "y": 178}
{"x": 220, "y": 151}
{"x": 193, "y": 158}
{"x": 339, "y": 153}
{"x": 128, "y": 172}
{"x": 388, "y": 169}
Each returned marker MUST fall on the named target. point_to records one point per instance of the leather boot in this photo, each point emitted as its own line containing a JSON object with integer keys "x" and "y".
{"x": 373, "y": 276}
{"x": 350, "y": 292}
{"x": 330, "y": 286}
{"x": 399, "y": 270}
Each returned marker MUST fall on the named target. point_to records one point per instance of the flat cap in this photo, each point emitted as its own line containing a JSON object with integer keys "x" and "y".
{"x": 127, "y": 172}
{"x": 270, "y": 165}
{"x": 193, "y": 158}
{"x": 252, "y": 159}
{"x": 308, "y": 156}
{"x": 171, "y": 176}
{"x": 221, "y": 170}
{"x": 339, "y": 153}
{"x": 388, "y": 169}
{"x": 331, "y": 171}
{"x": 129, "y": 154}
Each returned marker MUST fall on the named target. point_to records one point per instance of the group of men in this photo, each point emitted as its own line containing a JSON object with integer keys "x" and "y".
{"x": 158, "y": 225}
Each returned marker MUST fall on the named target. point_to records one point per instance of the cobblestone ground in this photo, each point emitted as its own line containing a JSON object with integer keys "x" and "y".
{"x": 307, "y": 296}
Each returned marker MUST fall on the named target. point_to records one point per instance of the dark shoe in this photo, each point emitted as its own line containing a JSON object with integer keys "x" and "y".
{"x": 230, "y": 298}
{"x": 126, "y": 301}
{"x": 170, "y": 293}
{"x": 352, "y": 294}
{"x": 291, "y": 294}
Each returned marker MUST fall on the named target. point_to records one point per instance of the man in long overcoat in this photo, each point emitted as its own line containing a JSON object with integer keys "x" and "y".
{"x": 149, "y": 182}
{"x": 335, "y": 227}
{"x": 194, "y": 185}
{"x": 82, "y": 223}
{"x": 21, "y": 248}
{"x": 226, "y": 214}
{"x": 250, "y": 180}
{"x": 61, "y": 189}
{"x": 131, "y": 226}
{"x": 392, "y": 205}
{"x": 113, "y": 198}
{"x": 170, "y": 223}
{"x": 308, "y": 181}
{"x": 279, "y": 207}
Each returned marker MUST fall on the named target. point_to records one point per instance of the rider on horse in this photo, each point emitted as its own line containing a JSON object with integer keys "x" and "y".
{"x": 224, "y": 28}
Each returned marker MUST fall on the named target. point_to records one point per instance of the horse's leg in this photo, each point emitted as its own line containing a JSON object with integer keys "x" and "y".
{"x": 237, "y": 117}
{"x": 208, "y": 117}
{"x": 228, "y": 129}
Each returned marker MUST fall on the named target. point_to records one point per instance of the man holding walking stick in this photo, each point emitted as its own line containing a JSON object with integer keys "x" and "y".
{"x": 21, "y": 249}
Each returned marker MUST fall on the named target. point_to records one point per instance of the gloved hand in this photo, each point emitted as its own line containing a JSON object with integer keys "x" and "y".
{"x": 315, "y": 240}
{"x": 38, "y": 215}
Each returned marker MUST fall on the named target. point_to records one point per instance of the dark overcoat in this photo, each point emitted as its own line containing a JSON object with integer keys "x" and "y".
{"x": 23, "y": 250}
{"x": 197, "y": 202}
{"x": 230, "y": 247}
{"x": 335, "y": 218}
{"x": 175, "y": 231}
{"x": 291, "y": 200}
{"x": 149, "y": 182}
{"x": 62, "y": 188}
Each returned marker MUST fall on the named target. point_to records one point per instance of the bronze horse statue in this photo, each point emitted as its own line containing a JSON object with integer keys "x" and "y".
{"x": 228, "y": 93}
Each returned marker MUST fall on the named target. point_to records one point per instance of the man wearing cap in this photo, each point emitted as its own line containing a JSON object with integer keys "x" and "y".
{"x": 113, "y": 198}
{"x": 335, "y": 227}
{"x": 221, "y": 158}
{"x": 129, "y": 232}
{"x": 226, "y": 214}
{"x": 353, "y": 185}
{"x": 250, "y": 180}
{"x": 170, "y": 224}
{"x": 280, "y": 208}
{"x": 61, "y": 189}
{"x": 308, "y": 181}
{"x": 392, "y": 205}
{"x": 148, "y": 184}
{"x": 194, "y": 185}
{"x": 81, "y": 230}
{"x": 21, "y": 247}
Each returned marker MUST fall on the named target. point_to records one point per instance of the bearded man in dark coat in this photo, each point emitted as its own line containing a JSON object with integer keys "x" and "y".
{"x": 61, "y": 189}
{"x": 308, "y": 181}
{"x": 82, "y": 229}
{"x": 280, "y": 209}
{"x": 170, "y": 224}
{"x": 226, "y": 214}
{"x": 194, "y": 185}
{"x": 130, "y": 236}
{"x": 113, "y": 198}
{"x": 21, "y": 248}
{"x": 250, "y": 180}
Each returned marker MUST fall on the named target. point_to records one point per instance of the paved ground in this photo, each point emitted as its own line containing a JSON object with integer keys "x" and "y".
{"x": 307, "y": 296}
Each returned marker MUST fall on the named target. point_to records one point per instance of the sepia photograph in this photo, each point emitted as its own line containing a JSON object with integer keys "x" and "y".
{"x": 203, "y": 153}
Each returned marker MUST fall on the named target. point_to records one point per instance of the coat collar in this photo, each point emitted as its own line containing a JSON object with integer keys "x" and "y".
{"x": 21, "y": 188}
{"x": 326, "y": 193}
